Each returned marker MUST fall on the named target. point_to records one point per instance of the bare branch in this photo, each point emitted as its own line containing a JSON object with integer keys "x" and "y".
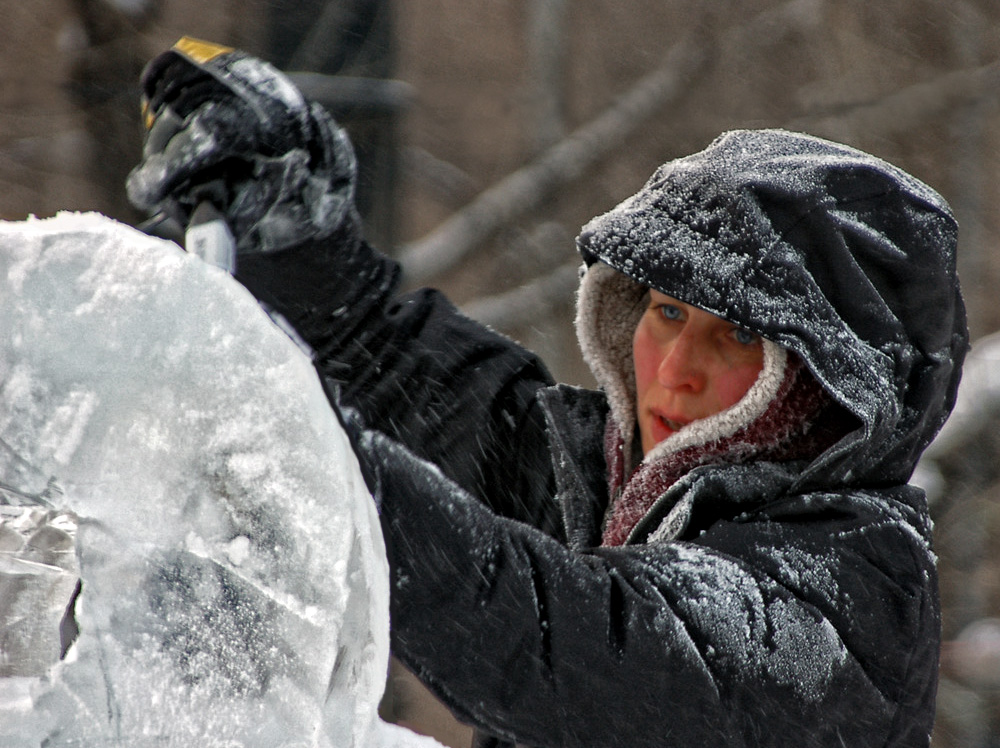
{"x": 323, "y": 36}
{"x": 526, "y": 303}
{"x": 909, "y": 107}
{"x": 442, "y": 178}
{"x": 370, "y": 95}
{"x": 526, "y": 188}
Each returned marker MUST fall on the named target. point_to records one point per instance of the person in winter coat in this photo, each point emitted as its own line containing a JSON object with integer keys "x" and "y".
{"x": 717, "y": 547}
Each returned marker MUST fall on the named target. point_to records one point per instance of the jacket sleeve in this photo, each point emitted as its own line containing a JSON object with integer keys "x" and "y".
{"x": 414, "y": 368}
{"x": 750, "y": 636}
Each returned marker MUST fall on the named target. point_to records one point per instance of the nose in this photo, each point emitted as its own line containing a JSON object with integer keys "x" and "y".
{"x": 682, "y": 367}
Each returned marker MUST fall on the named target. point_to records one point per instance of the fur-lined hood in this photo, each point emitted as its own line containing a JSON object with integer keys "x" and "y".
{"x": 821, "y": 249}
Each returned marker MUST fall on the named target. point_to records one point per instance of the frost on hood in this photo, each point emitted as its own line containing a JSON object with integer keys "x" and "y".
{"x": 165, "y": 445}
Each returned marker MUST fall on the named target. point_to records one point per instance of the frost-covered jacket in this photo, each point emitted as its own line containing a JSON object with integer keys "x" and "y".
{"x": 790, "y": 604}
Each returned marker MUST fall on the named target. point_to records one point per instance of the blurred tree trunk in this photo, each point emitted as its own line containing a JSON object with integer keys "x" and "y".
{"x": 547, "y": 72}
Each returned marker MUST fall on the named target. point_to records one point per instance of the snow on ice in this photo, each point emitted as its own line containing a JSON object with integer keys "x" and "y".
{"x": 166, "y": 445}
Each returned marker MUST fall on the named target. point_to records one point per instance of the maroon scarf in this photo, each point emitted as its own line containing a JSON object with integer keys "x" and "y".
{"x": 790, "y": 428}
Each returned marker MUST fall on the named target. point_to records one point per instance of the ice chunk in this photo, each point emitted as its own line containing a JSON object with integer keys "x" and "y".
{"x": 162, "y": 441}
{"x": 38, "y": 578}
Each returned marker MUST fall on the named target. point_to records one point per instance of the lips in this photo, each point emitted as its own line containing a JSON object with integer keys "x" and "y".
{"x": 673, "y": 421}
{"x": 671, "y": 424}
{"x": 663, "y": 426}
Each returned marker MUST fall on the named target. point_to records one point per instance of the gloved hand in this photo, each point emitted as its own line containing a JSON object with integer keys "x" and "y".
{"x": 231, "y": 129}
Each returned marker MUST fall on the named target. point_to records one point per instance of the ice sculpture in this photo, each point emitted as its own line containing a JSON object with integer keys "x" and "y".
{"x": 162, "y": 441}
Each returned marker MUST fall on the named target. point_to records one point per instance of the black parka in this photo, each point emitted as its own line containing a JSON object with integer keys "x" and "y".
{"x": 795, "y": 604}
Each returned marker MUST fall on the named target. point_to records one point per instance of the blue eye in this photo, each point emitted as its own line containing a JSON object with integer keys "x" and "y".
{"x": 671, "y": 312}
{"x": 745, "y": 337}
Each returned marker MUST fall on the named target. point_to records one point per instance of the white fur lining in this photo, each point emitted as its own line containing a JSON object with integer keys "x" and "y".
{"x": 609, "y": 306}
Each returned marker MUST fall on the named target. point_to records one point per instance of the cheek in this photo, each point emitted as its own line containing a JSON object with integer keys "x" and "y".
{"x": 732, "y": 384}
{"x": 645, "y": 359}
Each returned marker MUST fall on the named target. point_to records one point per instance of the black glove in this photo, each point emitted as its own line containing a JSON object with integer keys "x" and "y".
{"x": 231, "y": 129}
